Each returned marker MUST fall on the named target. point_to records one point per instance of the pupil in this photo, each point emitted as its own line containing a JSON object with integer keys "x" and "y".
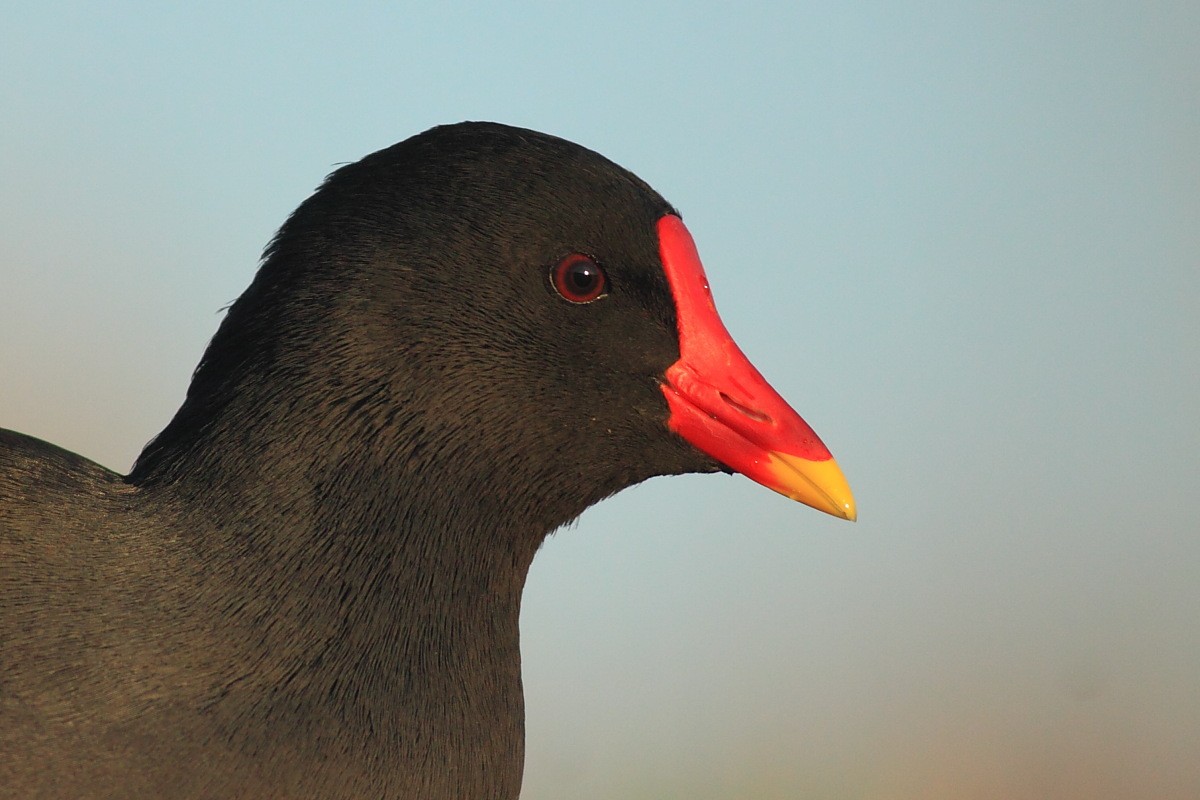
{"x": 582, "y": 277}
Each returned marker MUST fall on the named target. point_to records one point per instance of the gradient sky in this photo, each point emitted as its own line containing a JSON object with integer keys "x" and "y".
{"x": 962, "y": 238}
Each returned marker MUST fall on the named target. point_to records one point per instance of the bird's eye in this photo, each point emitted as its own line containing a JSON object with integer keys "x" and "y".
{"x": 579, "y": 279}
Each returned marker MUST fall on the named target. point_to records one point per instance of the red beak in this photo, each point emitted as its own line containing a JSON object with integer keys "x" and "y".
{"x": 723, "y": 406}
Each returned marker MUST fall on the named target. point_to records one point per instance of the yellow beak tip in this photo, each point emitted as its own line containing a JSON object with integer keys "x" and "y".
{"x": 819, "y": 484}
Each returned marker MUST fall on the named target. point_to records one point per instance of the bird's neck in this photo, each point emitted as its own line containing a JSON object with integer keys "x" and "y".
{"x": 370, "y": 597}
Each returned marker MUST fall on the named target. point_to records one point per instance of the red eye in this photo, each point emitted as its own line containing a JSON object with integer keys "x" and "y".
{"x": 579, "y": 279}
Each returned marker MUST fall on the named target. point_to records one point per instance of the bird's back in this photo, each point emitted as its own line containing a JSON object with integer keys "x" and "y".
{"x": 75, "y": 594}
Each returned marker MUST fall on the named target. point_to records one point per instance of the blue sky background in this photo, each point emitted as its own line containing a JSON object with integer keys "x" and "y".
{"x": 962, "y": 238}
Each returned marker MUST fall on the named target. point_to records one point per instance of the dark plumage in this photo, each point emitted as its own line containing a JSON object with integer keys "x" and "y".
{"x": 309, "y": 584}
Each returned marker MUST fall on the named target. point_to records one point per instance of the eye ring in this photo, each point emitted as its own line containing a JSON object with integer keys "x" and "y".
{"x": 579, "y": 279}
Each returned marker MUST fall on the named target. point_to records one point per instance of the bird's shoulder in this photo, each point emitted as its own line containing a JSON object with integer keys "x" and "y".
{"x": 41, "y": 483}
{"x": 20, "y": 452}
{"x": 60, "y": 513}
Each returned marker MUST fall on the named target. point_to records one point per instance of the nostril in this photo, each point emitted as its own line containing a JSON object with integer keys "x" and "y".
{"x": 757, "y": 416}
